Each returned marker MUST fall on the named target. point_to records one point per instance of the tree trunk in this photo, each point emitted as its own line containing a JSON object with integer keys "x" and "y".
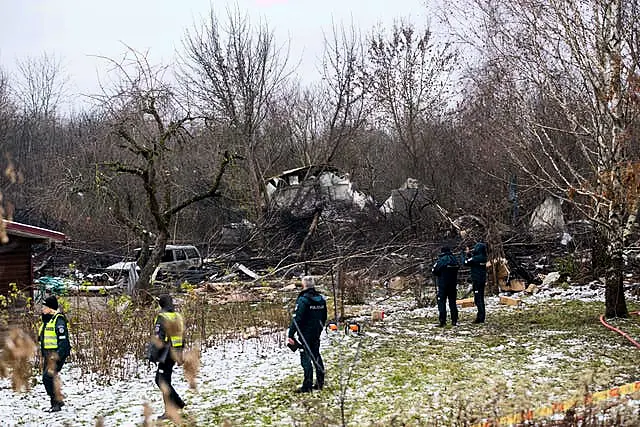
{"x": 615, "y": 303}
{"x": 600, "y": 258}
{"x": 144, "y": 280}
{"x": 607, "y": 263}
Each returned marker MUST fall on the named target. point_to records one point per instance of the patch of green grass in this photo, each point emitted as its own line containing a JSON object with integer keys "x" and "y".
{"x": 410, "y": 373}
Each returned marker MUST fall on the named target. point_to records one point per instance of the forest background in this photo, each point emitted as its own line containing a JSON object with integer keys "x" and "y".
{"x": 521, "y": 101}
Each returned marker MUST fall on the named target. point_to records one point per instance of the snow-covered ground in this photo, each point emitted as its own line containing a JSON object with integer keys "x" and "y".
{"x": 226, "y": 371}
{"x": 238, "y": 370}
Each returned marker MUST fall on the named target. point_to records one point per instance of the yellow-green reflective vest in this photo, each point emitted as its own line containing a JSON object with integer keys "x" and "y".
{"x": 170, "y": 316}
{"x": 50, "y": 338}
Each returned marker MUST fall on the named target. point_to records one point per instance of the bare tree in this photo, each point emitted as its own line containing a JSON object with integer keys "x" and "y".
{"x": 342, "y": 95}
{"x": 7, "y": 107}
{"x": 410, "y": 75}
{"x": 40, "y": 85}
{"x": 305, "y": 125}
{"x": 11, "y": 175}
{"x": 234, "y": 70}
{"x": 569, "y": 70}
{"x": 152, "y": 131}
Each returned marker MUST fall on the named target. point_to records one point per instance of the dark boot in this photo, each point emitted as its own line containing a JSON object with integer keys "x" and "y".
{"x": 55, "y": 407}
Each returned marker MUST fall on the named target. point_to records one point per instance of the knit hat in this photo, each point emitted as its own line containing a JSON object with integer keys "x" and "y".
{"x": 51, "y": 302}
{"x": 165, "y": 301}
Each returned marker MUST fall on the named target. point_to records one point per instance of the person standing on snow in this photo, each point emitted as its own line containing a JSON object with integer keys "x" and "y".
{"x": 446, "y": 272}
{"x": 307, "y": 323}
{"x": 55, "y": 348}
{"x": 477, "y": 261}
{"x": 169, "y": 329}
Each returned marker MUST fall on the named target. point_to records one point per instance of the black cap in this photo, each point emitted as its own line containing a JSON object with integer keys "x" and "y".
{"x": 445, "y": 250}
{"x": 165, "y": 301}
{"x": 51, "y": 302}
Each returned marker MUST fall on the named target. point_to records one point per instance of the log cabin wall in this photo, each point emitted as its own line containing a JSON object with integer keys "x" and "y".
{"x": 15, "y": 265}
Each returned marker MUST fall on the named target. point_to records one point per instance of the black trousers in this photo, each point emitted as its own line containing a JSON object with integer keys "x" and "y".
{"x": 48, "y": 377}
{"x": 478, "y": 299}
{"x": 163, "y": 379}
{"x": 447, "y": 293}
{"x": 307, "y": 361}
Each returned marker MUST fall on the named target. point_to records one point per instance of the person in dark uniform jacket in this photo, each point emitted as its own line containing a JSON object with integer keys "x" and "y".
{"x": 477, "y": 261}
{"x": 306, "y": 325}
{"x": 446, "y": 272}
{"x": 169, "y": 329}
{"x": 55, "y": 348}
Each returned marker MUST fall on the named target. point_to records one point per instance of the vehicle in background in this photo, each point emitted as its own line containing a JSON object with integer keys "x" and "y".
{"x": 176, "y": 258}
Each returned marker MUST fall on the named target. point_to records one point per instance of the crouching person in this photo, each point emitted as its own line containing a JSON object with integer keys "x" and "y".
{"x": 307, "y": 323}
{"x": 55, "y": 348}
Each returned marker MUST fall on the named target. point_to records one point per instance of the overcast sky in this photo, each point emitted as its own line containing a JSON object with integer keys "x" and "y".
{"x": 77, "y": 30}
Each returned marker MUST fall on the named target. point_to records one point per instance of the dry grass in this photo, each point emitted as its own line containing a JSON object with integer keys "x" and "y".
{"x": 191, "y": 366}
{"x": 109, "y": 333}
{"x": 19, "y": 348}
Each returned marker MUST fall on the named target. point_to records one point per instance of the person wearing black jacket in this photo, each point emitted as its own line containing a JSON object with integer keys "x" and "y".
{"x": 477, "y": 261}
{"x": 169, "y": 329}
{"x": 307, "y": 324}
{"x": 55, "y": 348}
{"x": 446, "y": 272}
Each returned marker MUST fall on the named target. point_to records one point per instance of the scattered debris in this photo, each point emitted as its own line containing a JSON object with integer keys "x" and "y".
{"x": 551, "y": 278}
{"x": 410, "y": 196}
{"x": 513, "y": 285}
{"x": 531, "y": 289}
{"x": 245, "y": 270}
{"x": 498, "y": 272}
{"x": 396, "y": 283}
{"x": 509, "y": 300}
{"x": 377, "y": 315}
{"x": 302, "y": 190}
{"x": 548, "y": 215}
{"x": 466, "y": 302}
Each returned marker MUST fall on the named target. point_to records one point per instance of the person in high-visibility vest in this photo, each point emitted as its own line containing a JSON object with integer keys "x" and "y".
{"x": 169, "y": 329}
{"x": 55, "y": 347}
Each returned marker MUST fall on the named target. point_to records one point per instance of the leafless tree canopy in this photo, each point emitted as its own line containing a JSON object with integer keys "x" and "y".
{"x": 545, "y": 101}
{"x": 233, "y": 71}
{"x": 40, "y": 85}
{"x": 569, "y": 72}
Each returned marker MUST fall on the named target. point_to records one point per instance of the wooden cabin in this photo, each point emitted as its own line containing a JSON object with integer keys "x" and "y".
{"x": 16, "y": 255}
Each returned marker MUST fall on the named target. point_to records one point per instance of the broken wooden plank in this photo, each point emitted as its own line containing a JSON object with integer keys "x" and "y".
{"x": 513, "y": 285}
{"x": 466, "y": 302}
{"x": 245, "y": 270}
{"x": 510, "y": 301}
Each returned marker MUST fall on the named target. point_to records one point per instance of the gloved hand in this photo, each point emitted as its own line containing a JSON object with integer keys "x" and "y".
{"x": 292, "y": 344}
